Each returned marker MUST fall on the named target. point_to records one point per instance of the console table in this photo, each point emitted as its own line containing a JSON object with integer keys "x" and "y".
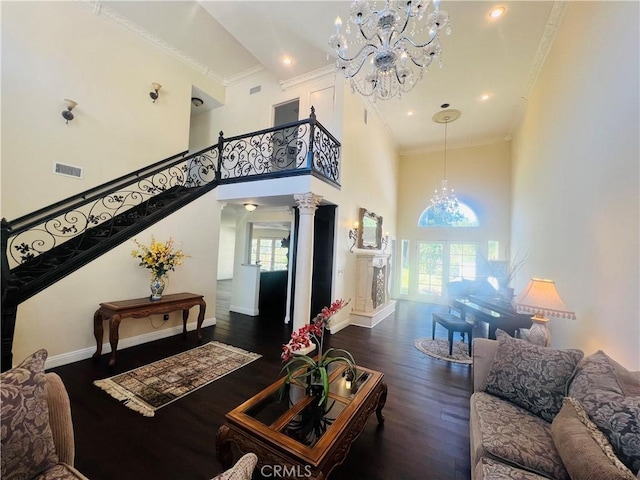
{"x": 139, "y": 308}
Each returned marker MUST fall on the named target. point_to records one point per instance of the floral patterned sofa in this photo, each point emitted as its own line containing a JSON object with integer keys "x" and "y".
{"x": 540, "y": 413}
{"x": 35, "y": 424}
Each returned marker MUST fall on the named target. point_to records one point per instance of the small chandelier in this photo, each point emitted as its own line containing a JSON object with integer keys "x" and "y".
{"x": 398, "y": 43}
{"x": 444, "y": 209}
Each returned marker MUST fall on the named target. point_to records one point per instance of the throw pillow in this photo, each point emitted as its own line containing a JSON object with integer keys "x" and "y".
{"x": 531, "y": 376}
{"x": 585, "y": 451}
{"x": 27, "y": 442}
{"x": 242, "y": 470}
{"x": 601, "y": 386}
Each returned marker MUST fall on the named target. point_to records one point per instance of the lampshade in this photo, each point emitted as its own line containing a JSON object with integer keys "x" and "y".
{"x": 541, "y": 298}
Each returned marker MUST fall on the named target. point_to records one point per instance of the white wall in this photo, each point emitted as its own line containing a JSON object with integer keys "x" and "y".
{"x": 370, "y": 176}
{"x": 576, "y": 179}
{"x": 57, "y": 50}
{"x": 60, "y": 318}
{"x": 244, "y": 112}
{"x": 226, "y": 252}
{"x": 481, "y": 178}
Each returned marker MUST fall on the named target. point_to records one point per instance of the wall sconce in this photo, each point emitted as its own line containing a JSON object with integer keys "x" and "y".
{"x": 385, "y": 241}
{"x": 66, "y": 114}
{"x": 353, "y": 235}
{"x": 250, "y": 207}
{"x": 155, "y": 94}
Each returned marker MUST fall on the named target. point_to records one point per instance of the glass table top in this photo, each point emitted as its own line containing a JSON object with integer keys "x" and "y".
{"x": 293, "y": 413}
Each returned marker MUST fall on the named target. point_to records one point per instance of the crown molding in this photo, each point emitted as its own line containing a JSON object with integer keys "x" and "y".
{"x": 551, "y": 29}
{"x": 456, "y": 146}
{"x": 102, "y": 10}
{"x": 228, "y": 81}
{"x": 307, "y": 77}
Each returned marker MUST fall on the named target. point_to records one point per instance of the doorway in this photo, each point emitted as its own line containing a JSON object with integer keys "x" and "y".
{"x": 323, "y": 242}
{"x": 285, "y": 142}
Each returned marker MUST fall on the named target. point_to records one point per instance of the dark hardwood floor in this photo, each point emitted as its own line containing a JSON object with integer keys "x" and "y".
{"x": 425, "y": 435}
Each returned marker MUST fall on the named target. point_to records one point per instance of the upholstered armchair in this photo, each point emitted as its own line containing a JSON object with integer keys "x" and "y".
{"x": 35, "y": 424}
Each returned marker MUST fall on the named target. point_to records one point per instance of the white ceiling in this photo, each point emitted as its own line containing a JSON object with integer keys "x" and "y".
{"x": 497, "y": 57}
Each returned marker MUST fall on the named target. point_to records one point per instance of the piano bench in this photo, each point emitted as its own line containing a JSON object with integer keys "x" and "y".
{"x": 453, "y": 324}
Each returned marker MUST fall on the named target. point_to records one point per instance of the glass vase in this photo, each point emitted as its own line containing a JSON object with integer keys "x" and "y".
{"x": 157, "y": 287}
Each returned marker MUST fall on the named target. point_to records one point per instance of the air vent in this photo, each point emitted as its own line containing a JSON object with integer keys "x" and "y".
{"x": 67, "y": 170}
{"x": 255, "y": 89}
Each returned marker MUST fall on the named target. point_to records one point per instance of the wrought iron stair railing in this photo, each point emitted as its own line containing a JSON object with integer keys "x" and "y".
{"x": 44, "y": 246}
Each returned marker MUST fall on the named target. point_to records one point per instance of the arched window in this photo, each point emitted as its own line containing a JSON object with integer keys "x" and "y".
{"x": 434, "y": 217}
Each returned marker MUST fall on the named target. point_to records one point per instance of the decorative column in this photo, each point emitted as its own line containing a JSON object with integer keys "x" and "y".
{"x": 307, "y": 205}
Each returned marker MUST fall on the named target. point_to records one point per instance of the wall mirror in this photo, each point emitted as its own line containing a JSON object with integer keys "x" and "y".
{"x": 369, "y": 230}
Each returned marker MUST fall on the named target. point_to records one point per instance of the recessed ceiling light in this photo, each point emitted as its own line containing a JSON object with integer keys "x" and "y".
{"x": 409, "y": 113}
{"x": 287, "y": 61}
{"x": 484, "y": 97}
{"x": 497, "y": 12}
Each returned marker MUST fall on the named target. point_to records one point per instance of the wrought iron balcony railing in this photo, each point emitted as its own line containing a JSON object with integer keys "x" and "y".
{"x": 297, "y": 148}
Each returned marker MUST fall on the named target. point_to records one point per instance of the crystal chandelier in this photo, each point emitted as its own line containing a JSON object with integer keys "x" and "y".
{"x": 397, "y": 43}
{"x": 444, "y": 208}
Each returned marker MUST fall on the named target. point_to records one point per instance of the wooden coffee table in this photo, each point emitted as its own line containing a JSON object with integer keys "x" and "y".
{"x": 297, "y": 438}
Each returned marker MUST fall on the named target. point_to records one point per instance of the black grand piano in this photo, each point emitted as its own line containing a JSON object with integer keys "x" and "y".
{"x": 497, "y": 313}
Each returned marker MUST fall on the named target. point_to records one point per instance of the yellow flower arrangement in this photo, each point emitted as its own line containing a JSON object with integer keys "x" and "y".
{"x": 159, "y": 257}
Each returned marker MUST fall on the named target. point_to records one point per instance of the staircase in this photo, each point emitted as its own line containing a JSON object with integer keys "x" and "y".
{"x": 36, "y": 273}
{"x": 43, "y": 247}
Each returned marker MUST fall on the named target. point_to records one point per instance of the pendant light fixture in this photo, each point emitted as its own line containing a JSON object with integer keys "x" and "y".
{"x": 444, "y": 209}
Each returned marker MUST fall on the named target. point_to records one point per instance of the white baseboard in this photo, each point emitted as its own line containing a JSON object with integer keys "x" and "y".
{"x": 339, "y": 326}
{"x": 82, "y": 354}
{"x": 371, "y": 319}
{"x": 252, "y": 312}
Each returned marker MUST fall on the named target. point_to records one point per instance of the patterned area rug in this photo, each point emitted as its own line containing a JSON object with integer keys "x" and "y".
{"x": 150, "y": 387}
{"x": 439, "y": 348}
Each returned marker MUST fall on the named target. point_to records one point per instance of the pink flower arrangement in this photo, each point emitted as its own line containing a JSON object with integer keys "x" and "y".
{"x": 306, "y": 371}
{"x": 302, "y": 338}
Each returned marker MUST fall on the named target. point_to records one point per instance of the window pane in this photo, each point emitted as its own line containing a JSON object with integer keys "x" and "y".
{"x": 435, "y": 217}
{"x": 493, "y": 250}
{"x": 280, "y": 258}
{"x": 254, "y": 251}
{"x": 266, "y": 248}
{"x": 430, "y": 260}
{"x": 404, "y": 280}
{"x": 462, "y": 261}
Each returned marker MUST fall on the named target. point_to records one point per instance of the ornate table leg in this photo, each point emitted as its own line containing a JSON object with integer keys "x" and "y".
{"x": 98, "y": 332}
{"x": 382, "y": 400}
{"x": 114, "y": 325}
{"x": 185, "y": 316}
{"x": 203, "y": 308}
{"x": 223, "y": 447}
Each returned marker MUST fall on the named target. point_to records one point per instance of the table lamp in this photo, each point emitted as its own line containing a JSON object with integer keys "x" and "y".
{"x": 541, "y": 298}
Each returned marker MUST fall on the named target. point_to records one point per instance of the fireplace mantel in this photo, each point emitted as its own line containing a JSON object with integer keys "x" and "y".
{"x": 372, "y": 302}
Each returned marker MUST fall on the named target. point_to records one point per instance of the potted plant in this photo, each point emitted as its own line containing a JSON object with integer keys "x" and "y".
{"x": 311, "y": 373}
{"x": 504, "y": 271}
{"x": 160, "y": 258}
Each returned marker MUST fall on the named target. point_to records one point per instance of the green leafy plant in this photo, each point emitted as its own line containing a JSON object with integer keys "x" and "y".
{"x": 306, "y": 371}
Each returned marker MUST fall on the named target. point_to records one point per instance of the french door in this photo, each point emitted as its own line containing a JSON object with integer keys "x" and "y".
{"x": 442, "y": 262}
